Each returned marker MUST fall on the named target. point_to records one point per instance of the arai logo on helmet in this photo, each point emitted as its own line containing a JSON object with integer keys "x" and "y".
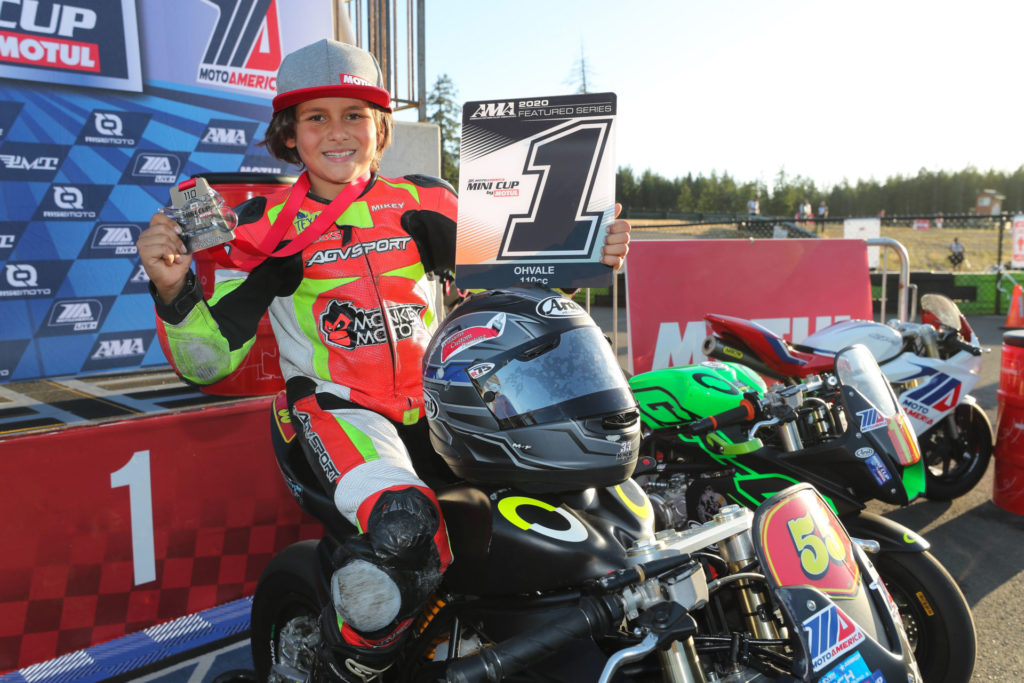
{"x": 864, "y": 452}
{"x": 559, "y": 307}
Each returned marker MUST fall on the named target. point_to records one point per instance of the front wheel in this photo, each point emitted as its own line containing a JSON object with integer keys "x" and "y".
{"x": 935, "y": 613}
{"x": 284, "y": 629}
{"x": 954, "y": 466}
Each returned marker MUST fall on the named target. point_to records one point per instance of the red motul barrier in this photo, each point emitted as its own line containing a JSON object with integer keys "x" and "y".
{"x": 113, "y": 527}
{"x": 1008, "y": 481}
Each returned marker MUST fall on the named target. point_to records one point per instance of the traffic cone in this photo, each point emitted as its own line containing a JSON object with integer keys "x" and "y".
{"x": 1015, "y": 314}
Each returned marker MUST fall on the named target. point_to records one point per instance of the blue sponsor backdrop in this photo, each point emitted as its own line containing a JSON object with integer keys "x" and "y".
{"x": 88, "y": 152}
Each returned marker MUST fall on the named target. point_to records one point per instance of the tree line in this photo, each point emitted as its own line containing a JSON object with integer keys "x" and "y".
{"x": 929, "y": 192}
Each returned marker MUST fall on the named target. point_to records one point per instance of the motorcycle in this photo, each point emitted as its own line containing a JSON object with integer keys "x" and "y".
{"x": 932, "y": 365}
{"x": 715, "y": 434}
{"x": 575, "y": 585}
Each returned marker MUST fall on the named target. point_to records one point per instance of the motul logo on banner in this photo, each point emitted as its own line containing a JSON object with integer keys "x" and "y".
{"x": 245, "y": 48}
{"x": 92, "y": 43}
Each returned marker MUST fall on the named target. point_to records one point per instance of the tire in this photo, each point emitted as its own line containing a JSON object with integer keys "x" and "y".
{"x": 935, "y": 613}
{"x": 952, "y": 468}
{"x": 286, "y": 597}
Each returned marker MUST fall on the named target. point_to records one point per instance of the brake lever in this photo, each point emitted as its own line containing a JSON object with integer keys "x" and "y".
{"x": 763, "y": 423}
{"x": 665, "y": 624}
{"x": 629, "y": 654}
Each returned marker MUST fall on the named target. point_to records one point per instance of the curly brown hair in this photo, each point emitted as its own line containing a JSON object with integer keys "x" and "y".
{"x": 282, "y": 129}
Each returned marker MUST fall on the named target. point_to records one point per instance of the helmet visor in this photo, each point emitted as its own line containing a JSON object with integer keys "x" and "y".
{"x": 571, "y": 374}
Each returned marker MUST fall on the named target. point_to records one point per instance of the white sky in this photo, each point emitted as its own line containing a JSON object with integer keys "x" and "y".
{"x": 827, "y": 90}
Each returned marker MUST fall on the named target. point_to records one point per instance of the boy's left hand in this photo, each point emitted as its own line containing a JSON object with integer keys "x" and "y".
{"x": 616, "y": 242}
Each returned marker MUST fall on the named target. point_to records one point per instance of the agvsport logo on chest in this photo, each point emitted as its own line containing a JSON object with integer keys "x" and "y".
{"x": 359, "y": 249}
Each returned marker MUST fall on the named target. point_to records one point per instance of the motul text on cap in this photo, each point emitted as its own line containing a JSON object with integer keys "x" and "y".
{"x": 328, "y": 68}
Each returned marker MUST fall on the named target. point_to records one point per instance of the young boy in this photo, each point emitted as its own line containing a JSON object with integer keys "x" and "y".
{"x": 352, "y": 314}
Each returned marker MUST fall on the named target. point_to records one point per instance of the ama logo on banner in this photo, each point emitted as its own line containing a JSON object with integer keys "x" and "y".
{"x": 228, "y": 137}
{"x": 113, "y": 350}
{"x": 245, "y": 48}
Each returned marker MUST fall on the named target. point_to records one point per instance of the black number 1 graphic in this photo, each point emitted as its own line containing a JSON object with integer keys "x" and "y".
{"x": 558, "y": 224}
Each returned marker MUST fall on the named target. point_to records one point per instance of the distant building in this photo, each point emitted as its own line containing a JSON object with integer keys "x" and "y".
{"x": 989, "y": 203}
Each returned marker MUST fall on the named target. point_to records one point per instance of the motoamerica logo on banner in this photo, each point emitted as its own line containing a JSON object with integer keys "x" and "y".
{"x": 91, "y": 43}
{"x": 74, "y": 315}
{"x": 245, "y": 48}
{"x": 149, "y": 167}
{"x": 113, "y": 128}
{"x": 112, "y": 239}
{"x": 31, "y": 161}
{"x": 346, "y": 326}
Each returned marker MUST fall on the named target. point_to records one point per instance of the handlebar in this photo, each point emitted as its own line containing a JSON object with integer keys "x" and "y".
{"x": 594, "y": 616}
{"x": 747, "y": 411}
{"x": 954, "y": 342}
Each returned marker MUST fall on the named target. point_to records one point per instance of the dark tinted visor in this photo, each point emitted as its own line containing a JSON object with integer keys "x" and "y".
{"x": 572, "y": 374}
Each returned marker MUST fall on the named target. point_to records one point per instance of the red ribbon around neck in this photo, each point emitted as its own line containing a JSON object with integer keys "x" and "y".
{"x": 253, "y": 254}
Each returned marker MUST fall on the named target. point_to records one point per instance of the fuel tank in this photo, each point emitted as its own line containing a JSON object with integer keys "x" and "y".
{"x": 882, "y": 341}
{"x": 504, "y": 541}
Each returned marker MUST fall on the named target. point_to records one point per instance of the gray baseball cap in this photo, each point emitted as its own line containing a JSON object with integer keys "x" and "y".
{"x": 328, "y": 68}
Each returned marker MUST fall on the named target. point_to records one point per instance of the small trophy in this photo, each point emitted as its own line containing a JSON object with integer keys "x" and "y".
{"x": 205, "y": 219}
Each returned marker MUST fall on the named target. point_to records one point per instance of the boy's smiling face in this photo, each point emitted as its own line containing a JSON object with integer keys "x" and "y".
{"x": 336, "y": 138}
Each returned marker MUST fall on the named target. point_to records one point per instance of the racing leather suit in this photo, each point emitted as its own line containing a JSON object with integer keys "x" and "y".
{"x": 352, "y": 315}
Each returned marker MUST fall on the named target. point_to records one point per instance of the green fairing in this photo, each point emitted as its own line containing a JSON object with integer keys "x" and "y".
{"x": 681, "y": 394}
{"x": 913, "y": 480}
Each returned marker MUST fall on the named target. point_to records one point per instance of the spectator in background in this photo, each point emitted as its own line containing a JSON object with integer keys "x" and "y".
{"x": 754, "y": 206}
{"x": 956, "y": 253}
{"x": 805, "y": 209}
{"x": 822, "y": 215}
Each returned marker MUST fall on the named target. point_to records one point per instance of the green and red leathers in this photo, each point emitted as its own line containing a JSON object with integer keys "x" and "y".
{"x": 352, "y": 315}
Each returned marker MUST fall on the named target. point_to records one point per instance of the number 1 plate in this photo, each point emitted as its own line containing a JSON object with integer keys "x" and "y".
{"x": 536, "y": 191}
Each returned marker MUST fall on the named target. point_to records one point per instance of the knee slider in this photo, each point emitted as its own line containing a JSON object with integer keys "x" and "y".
{"x": 401, "y": 528}
{"x": 387, "y": 574}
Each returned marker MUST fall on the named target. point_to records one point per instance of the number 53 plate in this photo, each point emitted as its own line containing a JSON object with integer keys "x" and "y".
{"x": 536, "y": 191}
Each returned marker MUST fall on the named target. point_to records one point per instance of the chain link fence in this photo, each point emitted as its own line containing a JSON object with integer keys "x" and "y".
{"x": 965, "y": 256}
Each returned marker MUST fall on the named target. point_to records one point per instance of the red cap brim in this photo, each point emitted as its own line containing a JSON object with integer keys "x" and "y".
{"x": 371, "y": 94}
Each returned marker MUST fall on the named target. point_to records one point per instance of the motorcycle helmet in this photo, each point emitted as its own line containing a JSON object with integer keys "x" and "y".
{"x": 522, "y": 388}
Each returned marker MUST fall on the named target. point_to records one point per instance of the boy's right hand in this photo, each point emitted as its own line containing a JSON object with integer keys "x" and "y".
{"x": 163, "y": 256}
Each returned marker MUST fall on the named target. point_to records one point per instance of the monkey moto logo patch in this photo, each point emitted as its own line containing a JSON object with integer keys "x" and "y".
{"x": 346, "y": 326}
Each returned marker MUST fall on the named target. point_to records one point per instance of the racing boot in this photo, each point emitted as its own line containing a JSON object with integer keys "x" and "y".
{"x": 340, "y": 660}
